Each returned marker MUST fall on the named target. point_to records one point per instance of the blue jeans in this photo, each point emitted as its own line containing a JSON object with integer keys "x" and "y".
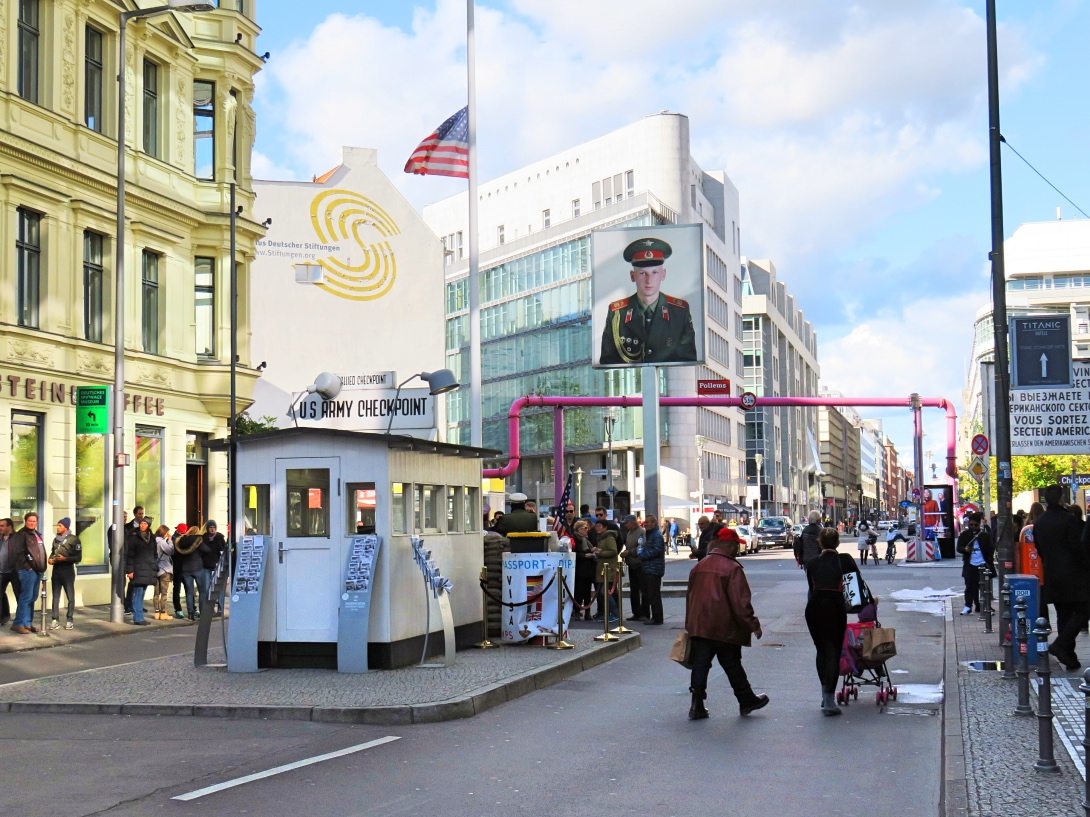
{"x": 208, "y": 583}
{"x": 138, "y": 591}
{"x": 28, "y": 590}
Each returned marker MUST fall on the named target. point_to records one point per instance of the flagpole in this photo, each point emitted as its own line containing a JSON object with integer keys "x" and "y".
{"x": 475, "y": 423}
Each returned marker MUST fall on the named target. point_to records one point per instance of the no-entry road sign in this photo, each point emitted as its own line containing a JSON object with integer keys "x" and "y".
{"x": 980, "y": 445}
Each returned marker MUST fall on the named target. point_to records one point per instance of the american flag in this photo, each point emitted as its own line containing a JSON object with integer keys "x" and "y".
{"x": 445, "y": 151}
{"x": 559, "y": 526}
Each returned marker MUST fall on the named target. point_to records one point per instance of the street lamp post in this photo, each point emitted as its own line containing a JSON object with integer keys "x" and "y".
{"x": 760, "y": 460}
{"x": 578, "y": 488}
{"x": 610, "y": 420}
{"x": 121, "y": 459}
{"x": 699, "y": 440}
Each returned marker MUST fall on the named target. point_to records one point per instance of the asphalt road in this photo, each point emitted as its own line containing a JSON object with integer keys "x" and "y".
{"x": 614, "y": 740}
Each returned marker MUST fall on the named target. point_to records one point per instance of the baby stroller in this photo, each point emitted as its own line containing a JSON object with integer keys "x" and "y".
{"x": 857, "y": 671}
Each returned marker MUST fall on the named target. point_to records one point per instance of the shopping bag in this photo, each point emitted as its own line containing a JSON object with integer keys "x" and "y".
{"x": 856, "y": 593}
{"x": 680, "y": 650}
{"x": 879, "y": 644}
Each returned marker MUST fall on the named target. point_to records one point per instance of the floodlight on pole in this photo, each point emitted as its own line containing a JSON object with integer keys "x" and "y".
{"x": 439, "y": 382}
{"x": 326, "y": 385}
{"x": 121, "y": 459}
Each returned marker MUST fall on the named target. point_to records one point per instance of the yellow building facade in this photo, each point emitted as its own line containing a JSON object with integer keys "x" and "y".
{"x": 189, "y": 136}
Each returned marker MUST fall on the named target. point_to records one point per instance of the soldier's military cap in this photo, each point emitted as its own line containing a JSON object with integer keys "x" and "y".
{"x": 647, "y": 252}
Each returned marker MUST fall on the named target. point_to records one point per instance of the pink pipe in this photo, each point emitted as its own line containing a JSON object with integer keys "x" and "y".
{"x": 514, "y": 413}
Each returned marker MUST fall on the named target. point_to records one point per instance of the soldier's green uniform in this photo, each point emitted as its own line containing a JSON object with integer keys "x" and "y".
{"x": 659, "y": 333}
{"x": 518, "y": 520}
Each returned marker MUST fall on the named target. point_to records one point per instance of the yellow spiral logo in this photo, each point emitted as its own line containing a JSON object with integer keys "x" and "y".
{"x": 343, "y": 217}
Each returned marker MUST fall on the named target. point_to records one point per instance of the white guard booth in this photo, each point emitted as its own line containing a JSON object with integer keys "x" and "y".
{"x": 310, "y": 492}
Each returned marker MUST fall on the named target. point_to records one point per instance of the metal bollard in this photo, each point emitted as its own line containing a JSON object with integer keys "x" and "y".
{"x": 1005, "y": 626}
{"x": 620, "y": 629}
{"x": 1084, "y": 688}
{"x": 1046, "y": 759}
{"x": 607, "y": 574}
{"x": 560, "y": 643}
{"x": 1021, "y": 638}
{"x": 987, "y": 600}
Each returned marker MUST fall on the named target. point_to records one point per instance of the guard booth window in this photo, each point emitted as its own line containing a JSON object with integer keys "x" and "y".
{"x": 454, "y": 507}
{"x": 308, "y": 502}
{"x": 399, "y": 507}
{"x": 361, "y": 502}
{"x": 255, "y": 513}
{"x": 426, "y": 507}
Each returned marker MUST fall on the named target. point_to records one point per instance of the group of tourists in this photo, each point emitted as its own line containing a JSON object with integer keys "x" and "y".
{"x": 185, "y": 557}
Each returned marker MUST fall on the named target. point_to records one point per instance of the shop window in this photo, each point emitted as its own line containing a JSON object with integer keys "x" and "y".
{"x": 308, "y": 502}
{"x": 361, "y": 505}
{"x": 454, "y": 508}
{"x": 399, "y": 507}
{"x": 255, "y": 514}
{"x": 149, "y": 472}
{"x": 26, "y": 464}
{"x": 472, "y": 509}
{"x": 91, "y": 521}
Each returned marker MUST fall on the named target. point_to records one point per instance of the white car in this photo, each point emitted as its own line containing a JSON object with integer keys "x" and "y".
{"x": 745, "y": 536}
{"x": 886, "y": 524}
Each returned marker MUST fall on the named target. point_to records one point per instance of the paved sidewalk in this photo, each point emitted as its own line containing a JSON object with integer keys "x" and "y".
{"x": 478, "y": 680}
{"x": 990, "y": 753}
{"x": 91, "y": 623}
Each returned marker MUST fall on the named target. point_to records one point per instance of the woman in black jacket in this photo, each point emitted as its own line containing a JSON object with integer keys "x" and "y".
{"x": 141, "y": 566}
{"x": 826, "y": 617}
{"x": 977, "y": 550}
{"x": 191, "y": 568}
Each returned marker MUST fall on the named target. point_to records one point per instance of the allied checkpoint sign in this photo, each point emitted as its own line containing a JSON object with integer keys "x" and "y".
{"x": 1053, "y": 420}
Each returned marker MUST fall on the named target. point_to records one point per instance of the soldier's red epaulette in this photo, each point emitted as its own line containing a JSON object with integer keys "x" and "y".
{"x": 670, "y": 299}
{"x": 621, "y": 304}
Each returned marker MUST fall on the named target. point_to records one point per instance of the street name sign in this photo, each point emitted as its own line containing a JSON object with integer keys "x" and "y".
{"x": 713, "y": 388}
{"x": 1053, "y": 420}
{"x": 1041, "y": 351}
{"x": 92, "y": 409}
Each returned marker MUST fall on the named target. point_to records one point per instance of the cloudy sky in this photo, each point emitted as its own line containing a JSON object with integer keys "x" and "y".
{"x": 855, "y": 132}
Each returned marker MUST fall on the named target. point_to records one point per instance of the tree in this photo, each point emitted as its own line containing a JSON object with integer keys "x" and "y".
{"x": 246, "y": 425}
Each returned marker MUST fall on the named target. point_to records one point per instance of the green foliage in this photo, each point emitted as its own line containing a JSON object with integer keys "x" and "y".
{"x": 1041, "y": 470}
{"x": 245, "y": 424}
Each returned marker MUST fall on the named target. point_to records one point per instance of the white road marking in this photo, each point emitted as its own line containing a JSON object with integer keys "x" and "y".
{"x": 239, "y": 781}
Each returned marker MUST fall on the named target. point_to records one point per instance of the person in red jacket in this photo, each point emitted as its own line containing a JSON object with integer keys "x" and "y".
{"x": 720, "y": 621}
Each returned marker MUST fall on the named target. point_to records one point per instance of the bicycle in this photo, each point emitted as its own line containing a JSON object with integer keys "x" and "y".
{"x": 891, "y": 551}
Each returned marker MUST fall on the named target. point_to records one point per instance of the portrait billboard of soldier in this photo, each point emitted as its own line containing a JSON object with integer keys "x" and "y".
{"x": 648, "y": 296}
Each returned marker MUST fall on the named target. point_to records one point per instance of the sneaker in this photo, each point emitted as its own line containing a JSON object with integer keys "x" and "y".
{"x": 54, "y": 625}
{"x": 68, "y": 625}
{"x": 179, "y": 614}
{"x": 966, "y": 610}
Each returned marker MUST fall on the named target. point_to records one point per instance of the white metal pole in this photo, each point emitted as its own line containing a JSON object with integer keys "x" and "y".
{"x": 476, "y": 435}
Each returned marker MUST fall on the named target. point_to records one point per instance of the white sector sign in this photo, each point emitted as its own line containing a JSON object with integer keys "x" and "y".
{"x": 1053, "y": 421}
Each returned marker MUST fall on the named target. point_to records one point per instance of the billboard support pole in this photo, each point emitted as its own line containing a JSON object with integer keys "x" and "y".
{"x": 650, "y": 377}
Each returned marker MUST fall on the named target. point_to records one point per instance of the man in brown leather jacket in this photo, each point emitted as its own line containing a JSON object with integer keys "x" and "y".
{"x": 720, "y": 621}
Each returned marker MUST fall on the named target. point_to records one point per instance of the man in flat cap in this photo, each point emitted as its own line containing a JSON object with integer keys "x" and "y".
{"x": 518, "y": 519}
{"x": 649, "y": 326}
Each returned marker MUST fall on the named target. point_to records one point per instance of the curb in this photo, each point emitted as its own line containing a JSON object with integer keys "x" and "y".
{"x": 953, "y": 783}
{"x": 466, "y": 706}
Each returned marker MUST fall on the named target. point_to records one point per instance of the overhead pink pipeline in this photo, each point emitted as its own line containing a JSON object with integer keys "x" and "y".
{"x": 574, "y": 401}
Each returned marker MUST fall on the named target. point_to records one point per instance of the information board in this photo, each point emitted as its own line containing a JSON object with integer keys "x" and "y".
{"x": 1053, "y": 421}
{"x": 354, "y": 624}
{"x": 246, "y": 604}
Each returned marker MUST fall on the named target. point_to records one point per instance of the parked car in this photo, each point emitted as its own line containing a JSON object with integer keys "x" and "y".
{"x": 773, "y": 531}
{"x": 745, "y": 539}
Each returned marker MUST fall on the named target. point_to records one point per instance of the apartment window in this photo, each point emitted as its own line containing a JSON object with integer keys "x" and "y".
{"x": 630, "y": 183}
{"x": 151, "y": 108}
{"x": 149, "y": 301}
{"x": 499, "y": 234}
{"x": 92, "y": 286}
{"x": 546, "y": 219}
{"x": 28, "y": 253}
{"x": 205, "y": 306}
{"x": 29, "y": 36}
{"x": 92, "y": 79}
{"x": 204, "y": 129}
{"x": 575, "y": 208}
{"x": 459, "y": 248}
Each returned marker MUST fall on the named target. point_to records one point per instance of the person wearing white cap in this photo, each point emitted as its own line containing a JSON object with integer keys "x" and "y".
{"x": 518, "y": 520}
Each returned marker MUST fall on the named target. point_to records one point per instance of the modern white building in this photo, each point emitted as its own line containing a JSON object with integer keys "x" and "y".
{"x": 780, "y": 360}
{"x": 348, "y": 280}
{"x": 1047, "y": 265}
{"x": 535, "y": 225}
